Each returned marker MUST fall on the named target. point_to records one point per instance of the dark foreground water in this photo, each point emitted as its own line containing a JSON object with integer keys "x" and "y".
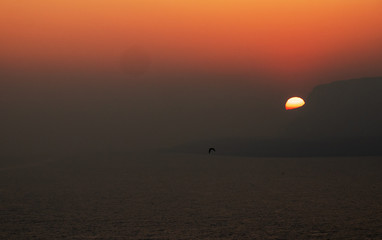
{"x": 191, "y": 197}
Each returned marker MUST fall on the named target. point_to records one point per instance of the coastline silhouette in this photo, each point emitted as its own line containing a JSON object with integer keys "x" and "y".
{"x": 342, "y": 118}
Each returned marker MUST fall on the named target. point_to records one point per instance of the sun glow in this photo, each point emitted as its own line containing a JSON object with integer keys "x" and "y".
{"x": 281, "y": 38}
{"x": 294, "y": 102}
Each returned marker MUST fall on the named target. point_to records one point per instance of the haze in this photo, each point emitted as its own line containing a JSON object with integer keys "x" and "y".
{"x": 288, "y": 41}
{"x": 215, "y": 68}
{"x": 109, "y": 107}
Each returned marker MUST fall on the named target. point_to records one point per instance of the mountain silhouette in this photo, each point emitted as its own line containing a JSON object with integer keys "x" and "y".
{"x": 350, "y": 108}
{"x": 342, "y": 118}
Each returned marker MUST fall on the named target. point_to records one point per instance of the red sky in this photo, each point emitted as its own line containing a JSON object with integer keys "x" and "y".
{"x": 293, "y": 40}
{"x": 218, "y": 67}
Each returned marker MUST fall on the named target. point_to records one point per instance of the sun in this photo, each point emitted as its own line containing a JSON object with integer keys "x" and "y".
{"x": 294, "y": 102}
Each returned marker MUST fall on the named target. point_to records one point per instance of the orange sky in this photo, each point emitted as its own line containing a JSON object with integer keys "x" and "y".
{"x": 281, "y": 38}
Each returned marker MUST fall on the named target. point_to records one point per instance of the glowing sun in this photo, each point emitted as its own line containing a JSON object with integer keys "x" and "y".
{"x": 294, "y": 102}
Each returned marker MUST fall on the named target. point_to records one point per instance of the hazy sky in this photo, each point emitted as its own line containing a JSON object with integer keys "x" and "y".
{"x": 215, "y": 68}
{"x": 292, "y": 40}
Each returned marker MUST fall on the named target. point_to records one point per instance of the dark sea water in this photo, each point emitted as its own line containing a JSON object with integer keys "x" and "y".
{"x": 164, "y": 196}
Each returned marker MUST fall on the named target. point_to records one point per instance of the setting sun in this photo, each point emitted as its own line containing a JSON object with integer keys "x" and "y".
{"x": 294, "y": 102}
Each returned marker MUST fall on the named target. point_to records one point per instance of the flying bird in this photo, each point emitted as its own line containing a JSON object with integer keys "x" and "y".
{"x": 211, "y": 150}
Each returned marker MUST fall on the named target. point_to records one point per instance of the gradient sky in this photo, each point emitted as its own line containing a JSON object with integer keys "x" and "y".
{"x": 217, "y": 68}
{"x": 292, "y": 40}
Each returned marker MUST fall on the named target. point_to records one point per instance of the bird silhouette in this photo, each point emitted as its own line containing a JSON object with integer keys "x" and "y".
{"x": 211, "y": 150}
